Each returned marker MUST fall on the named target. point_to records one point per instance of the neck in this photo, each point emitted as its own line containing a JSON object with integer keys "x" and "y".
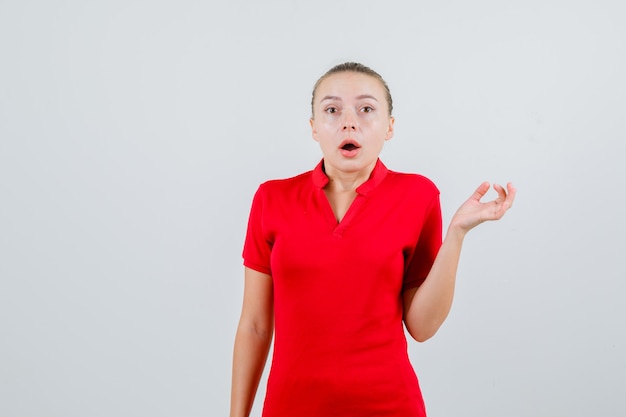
{"x": 342, "y": 181}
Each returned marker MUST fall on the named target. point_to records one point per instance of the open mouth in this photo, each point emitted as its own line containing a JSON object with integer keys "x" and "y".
{"x": 349, "y": 145}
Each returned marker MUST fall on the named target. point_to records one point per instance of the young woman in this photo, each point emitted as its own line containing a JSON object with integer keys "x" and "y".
{"x": 338, "y": 258}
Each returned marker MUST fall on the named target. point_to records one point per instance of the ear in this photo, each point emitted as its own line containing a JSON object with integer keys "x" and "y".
{"x": 389, "y": 134}
{"x": 313, "y": 130}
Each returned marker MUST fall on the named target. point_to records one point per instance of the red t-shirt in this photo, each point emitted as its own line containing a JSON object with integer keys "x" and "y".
{"x": 339, "y": 343}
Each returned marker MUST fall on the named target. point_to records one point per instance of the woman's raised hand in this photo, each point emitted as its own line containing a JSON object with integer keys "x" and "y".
{"x": 473, "y": 212}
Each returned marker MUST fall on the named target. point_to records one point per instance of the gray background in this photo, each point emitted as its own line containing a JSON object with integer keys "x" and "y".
{"x": 133, "y": 135}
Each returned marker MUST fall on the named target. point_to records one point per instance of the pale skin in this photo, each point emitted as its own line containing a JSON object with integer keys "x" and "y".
{"x": 351, "y": 108}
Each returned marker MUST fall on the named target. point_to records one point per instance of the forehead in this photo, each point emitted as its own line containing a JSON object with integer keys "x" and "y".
{"x": 348, "y": 85}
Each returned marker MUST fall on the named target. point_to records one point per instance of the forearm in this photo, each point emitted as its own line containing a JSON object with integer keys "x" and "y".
{"x": 431, "y": 302}
{"x": 249, "y": 357}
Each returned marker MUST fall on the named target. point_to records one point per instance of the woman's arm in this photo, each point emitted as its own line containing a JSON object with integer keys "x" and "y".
{"x": 426, "y": 307}
{"x": 252, "y": 341}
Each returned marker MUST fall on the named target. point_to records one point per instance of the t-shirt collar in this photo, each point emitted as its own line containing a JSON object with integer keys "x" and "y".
{"x": 320, "y": 179}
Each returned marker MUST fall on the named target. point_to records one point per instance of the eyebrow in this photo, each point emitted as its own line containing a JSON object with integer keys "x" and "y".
{"x": 361, "y": 97}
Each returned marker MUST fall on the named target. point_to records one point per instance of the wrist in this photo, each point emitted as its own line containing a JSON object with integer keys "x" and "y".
{"x": 456, "y": 232}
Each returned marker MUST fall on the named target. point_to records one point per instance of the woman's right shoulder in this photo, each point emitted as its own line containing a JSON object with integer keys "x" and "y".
{"x": 283, "y": 185}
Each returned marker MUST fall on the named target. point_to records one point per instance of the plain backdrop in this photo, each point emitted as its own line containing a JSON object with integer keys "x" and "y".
{"x": 133, "y": 135}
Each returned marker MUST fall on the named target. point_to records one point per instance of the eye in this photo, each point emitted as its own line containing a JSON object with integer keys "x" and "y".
{"x": 367, "y": 109}
{"x": 331, "y": 110}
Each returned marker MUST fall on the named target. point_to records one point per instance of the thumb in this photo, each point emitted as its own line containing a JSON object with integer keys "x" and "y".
{"x": 480, "y": 191}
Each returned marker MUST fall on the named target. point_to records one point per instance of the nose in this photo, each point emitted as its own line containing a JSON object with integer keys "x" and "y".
{"x": 349, "y": 123}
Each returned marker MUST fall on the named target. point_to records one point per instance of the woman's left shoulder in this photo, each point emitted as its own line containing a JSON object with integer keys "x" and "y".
{"x": 413, "y": 181}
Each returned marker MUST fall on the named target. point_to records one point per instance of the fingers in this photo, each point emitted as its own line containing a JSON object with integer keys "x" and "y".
{"x": 501, "y": 204}
{"x": 501, "y": 193}
{"x": 507, "y": 196}
{"x": 511, "y": 194}
{"x": 474, "y": 212}
{"x": 504, "y": 200}
{"x": 480, "y": 191}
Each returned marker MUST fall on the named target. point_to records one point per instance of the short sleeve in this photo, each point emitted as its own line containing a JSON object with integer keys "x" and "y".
{"x": 257, "y": 246}
{"x": 427, "y": 247}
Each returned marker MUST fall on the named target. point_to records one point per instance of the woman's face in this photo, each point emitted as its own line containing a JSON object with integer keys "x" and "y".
{"x": 351, "y": 122}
